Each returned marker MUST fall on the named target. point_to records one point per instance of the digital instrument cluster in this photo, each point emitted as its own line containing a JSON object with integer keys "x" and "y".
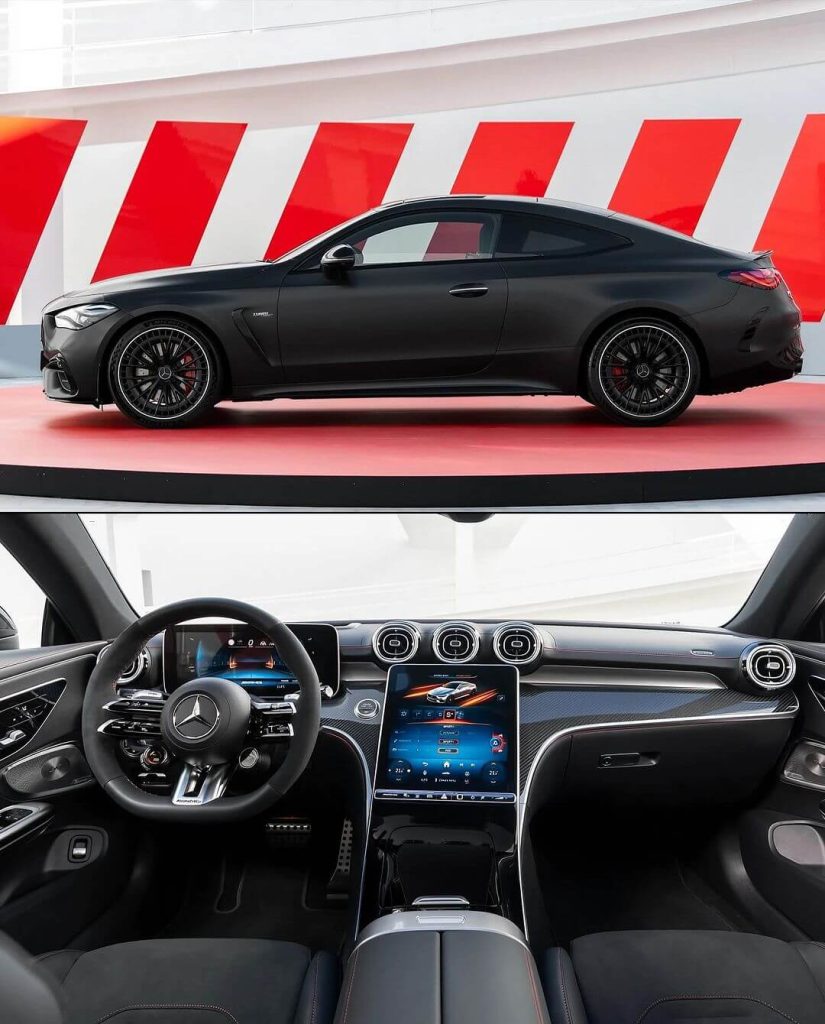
{"x": 244, "y": 655}
{"x": 449, "y": 734}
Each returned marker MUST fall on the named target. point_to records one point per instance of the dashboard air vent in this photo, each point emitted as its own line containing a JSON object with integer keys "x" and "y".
{"x": 455, "y": 642}
{"x": 396, "y": 641}
{"x": 517, "y": 643}
{"x": 134, "y": 670}
{"x": 768, "y": 666}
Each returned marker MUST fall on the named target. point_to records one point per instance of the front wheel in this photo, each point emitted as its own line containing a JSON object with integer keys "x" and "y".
{"x": 643, "y": 373}
{"x": 164, "y": 373}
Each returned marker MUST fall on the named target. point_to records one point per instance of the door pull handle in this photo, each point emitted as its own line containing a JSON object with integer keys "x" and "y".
{"x": 469, "y": 291}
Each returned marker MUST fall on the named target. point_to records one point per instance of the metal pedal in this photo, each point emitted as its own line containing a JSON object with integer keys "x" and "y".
{"x": 288, "y": 832}
{"x": 338, "y": 884}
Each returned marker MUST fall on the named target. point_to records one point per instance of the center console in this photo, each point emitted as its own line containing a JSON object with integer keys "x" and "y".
{"x": 442, "y": 967}
{"x": 444, "y": 812}
{"x": 441, "y": 894}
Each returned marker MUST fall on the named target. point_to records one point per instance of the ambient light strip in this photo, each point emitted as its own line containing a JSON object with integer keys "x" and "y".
{"x": 667, "y": 177}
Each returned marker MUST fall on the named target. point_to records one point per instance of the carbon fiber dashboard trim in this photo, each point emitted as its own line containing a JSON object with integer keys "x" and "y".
{"x": 339, "y": 714}
{"x": 546, "y": 712}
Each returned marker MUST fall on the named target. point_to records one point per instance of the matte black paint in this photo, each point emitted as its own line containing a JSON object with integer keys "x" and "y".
{"x": 291, "y": 329}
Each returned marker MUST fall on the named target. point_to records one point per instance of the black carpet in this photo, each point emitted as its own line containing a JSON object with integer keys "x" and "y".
{"x": 260, "y": 897}
{"x": 626, "y": 875}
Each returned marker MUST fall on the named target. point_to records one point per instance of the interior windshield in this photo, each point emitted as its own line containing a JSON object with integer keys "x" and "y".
{"x": 692, "y": 570}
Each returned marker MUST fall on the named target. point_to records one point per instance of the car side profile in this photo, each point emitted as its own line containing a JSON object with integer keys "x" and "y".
{"x": 453, "y": 295}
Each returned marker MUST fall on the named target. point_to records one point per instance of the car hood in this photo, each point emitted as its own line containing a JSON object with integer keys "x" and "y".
{"x": 198, "y": 277}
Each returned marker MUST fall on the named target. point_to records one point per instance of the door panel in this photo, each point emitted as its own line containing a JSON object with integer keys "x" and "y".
{"x": 68, "y": 865}
{"x": 377, "y": 323}
{"x": 783, "y": 840}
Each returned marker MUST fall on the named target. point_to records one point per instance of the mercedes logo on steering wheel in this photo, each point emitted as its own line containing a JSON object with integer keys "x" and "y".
{"x": 196, "y": 716}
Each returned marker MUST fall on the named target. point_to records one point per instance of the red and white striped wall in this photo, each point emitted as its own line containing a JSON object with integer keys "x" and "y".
{"x": 739, "y": 161}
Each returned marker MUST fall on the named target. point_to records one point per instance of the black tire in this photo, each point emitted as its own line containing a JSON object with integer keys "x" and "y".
{"x": 164, "y": 373}
{"x": 643, "y": 372}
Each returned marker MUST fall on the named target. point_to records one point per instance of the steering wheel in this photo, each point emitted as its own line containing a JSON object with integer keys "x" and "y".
{"x": 204, "y": 723}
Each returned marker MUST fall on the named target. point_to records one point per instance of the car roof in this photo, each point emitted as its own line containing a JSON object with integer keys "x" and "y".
{"x": 498, "y": 200}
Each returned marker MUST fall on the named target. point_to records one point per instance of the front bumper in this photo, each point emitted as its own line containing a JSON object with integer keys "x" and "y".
{"x": 70, "y": 360}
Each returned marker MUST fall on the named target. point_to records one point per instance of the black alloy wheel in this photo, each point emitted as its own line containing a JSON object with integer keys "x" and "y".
{"x": 643, "y": 372}
{"x": 164, "y": 373}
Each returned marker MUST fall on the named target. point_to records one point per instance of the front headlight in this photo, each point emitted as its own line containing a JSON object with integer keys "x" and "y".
{"x": 82, "y": 316}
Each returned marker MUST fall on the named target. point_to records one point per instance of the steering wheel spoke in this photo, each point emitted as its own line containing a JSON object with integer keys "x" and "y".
{"x": 271, "y": 720}
{"x": 135, "y": 715}
{"x": 201, "y": 784}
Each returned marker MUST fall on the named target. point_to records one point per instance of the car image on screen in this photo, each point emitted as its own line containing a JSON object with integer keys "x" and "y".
{"x": 451, "y": 692}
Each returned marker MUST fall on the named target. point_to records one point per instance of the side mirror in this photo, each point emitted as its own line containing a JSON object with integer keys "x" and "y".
{"x": 339, "y": 257}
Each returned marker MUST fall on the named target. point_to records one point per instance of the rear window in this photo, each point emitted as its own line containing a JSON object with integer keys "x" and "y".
{"x": 525, "y": 235}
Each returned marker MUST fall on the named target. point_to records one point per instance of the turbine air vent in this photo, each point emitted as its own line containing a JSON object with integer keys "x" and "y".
{"x": 455, "y": 642}
{"x": 768, "y": 666}
{"x": 396, "y": 641}
{"x": 516, "y": 643}
{"x": 134, "y": 670}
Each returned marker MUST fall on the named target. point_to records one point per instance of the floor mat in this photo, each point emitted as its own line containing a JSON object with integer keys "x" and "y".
{"x": 626, "y": 886}
{"x": 256, "y": 897}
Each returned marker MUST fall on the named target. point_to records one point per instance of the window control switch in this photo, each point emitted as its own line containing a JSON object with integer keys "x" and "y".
{"x": 79, "y": 849}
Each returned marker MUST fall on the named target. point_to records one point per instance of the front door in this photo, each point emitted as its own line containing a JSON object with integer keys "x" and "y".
{"x": 425, "y": 301}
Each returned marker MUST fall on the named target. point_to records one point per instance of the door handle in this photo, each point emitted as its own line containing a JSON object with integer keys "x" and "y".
{"x": 468, "y": 291}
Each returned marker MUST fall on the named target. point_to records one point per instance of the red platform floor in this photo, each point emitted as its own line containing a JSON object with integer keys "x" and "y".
{"x": 780, "y": 428}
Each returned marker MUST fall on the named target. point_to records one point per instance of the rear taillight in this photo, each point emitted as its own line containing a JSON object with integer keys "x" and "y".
{"x": 759, "y": 277}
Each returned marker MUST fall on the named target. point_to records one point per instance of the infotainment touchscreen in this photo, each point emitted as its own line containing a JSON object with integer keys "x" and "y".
{"x": 244, "y": 655}
{"x": 449, "y": 734}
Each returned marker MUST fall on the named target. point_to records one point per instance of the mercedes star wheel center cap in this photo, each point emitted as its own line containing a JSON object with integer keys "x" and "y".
{"x": 196, "y": 716}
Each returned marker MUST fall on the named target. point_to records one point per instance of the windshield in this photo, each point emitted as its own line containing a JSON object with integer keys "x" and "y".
{"x": 667, "y": 569}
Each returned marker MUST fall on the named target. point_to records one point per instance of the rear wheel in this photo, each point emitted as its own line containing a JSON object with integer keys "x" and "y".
{"x": 643, "y": 372}
{"x": 164, "y": 373}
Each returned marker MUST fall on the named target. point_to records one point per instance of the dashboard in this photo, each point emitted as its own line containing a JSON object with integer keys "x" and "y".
{"x": 349, "y": 655}
{"x": 382, "y": 682}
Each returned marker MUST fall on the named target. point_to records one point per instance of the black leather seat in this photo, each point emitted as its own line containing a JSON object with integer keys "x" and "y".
{"x": 170, "y": 981}
{"x": 700, "y": 977}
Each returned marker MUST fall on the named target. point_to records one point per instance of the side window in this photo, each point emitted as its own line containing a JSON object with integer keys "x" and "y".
{"x": 426, "y": 241}
{"x": 525, "y": 235}
{"x": 22, "y": 604}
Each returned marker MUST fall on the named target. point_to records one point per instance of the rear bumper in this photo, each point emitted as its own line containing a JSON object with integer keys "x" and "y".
{"x": 754, "y": 340}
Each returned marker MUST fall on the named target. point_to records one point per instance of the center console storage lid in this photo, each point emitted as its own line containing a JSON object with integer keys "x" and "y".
{"x": 441, "y": 967}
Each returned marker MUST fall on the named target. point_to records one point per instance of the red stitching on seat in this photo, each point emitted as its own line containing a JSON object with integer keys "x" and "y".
{"x": 315, "y": 989}
{"x": 350, "y": 983}
{"x": 539, "y": 1016}
{"x": 563, "y": 988}
{"x": 744, "y": 999}
{"x": 169, "y": 1006}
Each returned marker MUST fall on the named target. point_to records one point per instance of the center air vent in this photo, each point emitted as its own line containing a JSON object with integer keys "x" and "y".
{"x": 396, "y": 641}
{"x": 455, "y": 642}
{"x": 517, "y": 643}
{"x": 768, "y": 666}
{"x": 134, "y": 670}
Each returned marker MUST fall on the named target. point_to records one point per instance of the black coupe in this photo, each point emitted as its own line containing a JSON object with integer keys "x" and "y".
{"x": 456, "y": 295}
